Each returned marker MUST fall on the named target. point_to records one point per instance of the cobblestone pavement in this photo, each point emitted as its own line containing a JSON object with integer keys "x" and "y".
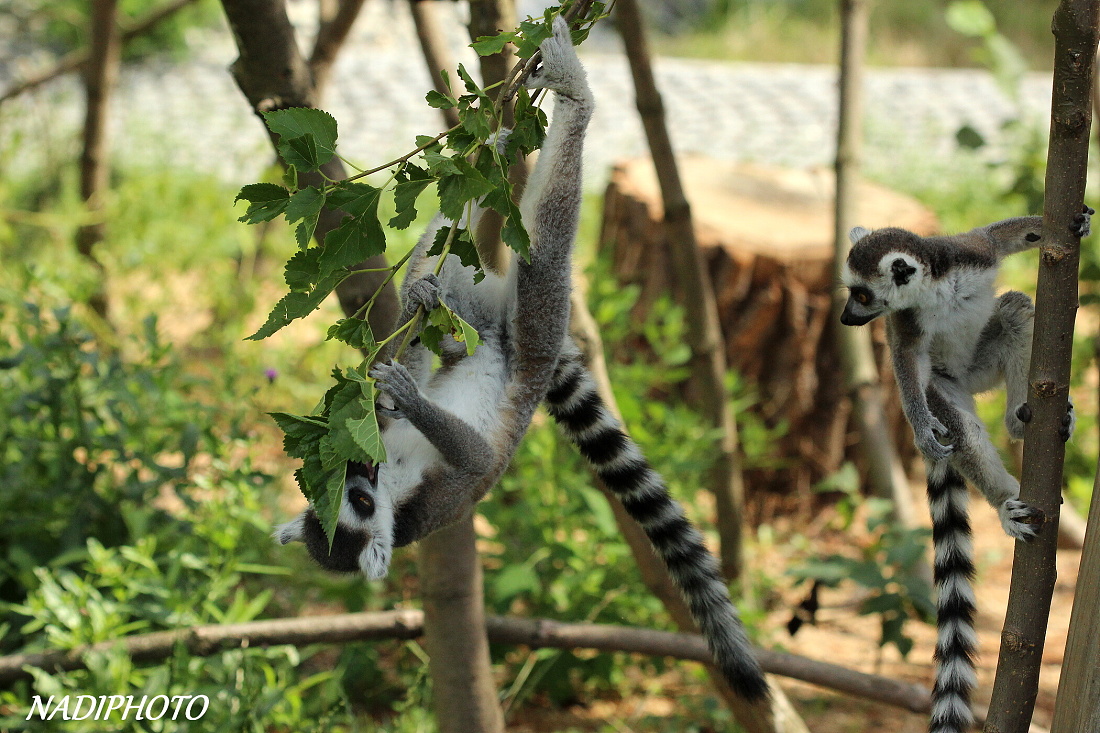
{"x": 193, "y": 115}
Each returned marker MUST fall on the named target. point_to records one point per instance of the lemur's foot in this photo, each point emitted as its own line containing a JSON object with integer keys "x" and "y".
{"x": 1023, "y": 415}
{"x": 1020, "y": 521}
{"x": 424, "y": 292}
{"x": 1081, "y": 225}
{"x": 395, "y": 380}
{"x": 560, "y": 70}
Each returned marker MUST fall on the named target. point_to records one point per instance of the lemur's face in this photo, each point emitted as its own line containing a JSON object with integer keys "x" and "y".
{"x": 880, "y": 277}
{"x": 363, "y": 540}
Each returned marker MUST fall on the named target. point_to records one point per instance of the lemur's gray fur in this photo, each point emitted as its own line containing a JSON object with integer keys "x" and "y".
{"x": 452, "y": 432}
{"x": 951, "y": 338}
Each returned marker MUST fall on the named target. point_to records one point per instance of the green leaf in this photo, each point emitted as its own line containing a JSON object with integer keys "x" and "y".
{"x": 301, "y": 152}
{"x": 300, "y": 434}
{"x": 533, "y": 33}
{"x": 361, "y": 235}
{"x": 290, "y": 178}
{"x": 971, "y": 18}
{"x": 439, "y": 101}
{"x": 514, "y": 580}
{"x": 488, "y": 45}
{"x": 265, "y": 201}
{"x": 462, "y": 246}
{"x": 465, "y": 333}
{"x": 303, "y": 270}
{"x": 297, "y": 305}
{"x": 305, "y": 205}
{"x": 405, "y": 194}
{"x": 348, "y": 404}
{"x": 298, "y": 122}
{"x": 321, "y": 479}
{"x": 457, "y": 189}
{"x": 365, "y": 432}
{"x": 969, "y": 138}
{"x": 355, "y": 332}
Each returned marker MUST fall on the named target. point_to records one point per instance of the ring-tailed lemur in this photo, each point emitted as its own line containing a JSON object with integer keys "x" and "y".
{"x": 951, "y": 338}
{"x": 453, "y": 431}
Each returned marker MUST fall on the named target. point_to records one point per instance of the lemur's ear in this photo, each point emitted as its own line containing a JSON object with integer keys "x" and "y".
{"x": 901, "y": 271}
{"x": 857, "y": 234}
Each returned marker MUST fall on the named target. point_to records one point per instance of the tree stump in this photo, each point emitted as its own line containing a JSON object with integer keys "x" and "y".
{"x": 767, "y": 238}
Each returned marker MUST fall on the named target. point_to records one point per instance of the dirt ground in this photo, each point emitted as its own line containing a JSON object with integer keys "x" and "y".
{"x": 841, "y": 636}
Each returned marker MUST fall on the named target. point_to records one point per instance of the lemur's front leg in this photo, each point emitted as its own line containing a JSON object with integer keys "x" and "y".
{"x": 461, "y": 445}
{"x": 912, "y": 369}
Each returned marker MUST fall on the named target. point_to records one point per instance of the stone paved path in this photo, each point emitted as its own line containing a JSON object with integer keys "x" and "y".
{"x": 193, "y": 115}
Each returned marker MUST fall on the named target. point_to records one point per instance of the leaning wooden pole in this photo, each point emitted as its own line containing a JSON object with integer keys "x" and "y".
{"x": 885, "y": 474}
{"x": 1034, "y": 570}
{"x": 703, "y": 331}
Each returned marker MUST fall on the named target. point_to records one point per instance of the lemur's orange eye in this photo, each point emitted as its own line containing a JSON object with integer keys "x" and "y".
{"x": 861, "y": 297}
{"x": 366, "y": 503}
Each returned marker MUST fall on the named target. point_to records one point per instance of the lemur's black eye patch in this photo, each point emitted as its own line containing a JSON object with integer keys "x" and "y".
{"x": 862, "y": 295}
{"x": 361, "y": 502}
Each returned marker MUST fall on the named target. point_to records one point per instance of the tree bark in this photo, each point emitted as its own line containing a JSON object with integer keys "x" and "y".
{"x": 464, "y": 694}
{"x": 78, "y": 58}
{"x": 1033, "y": 569}
{"x": 1077, "y": 706}
{"x": 452, "y": 590}
{"x": 704, "y": 334}
{"x": 100, "y": 78}
{"x": 336, "y": 19}
{"x": 774, "y": 716}
{"x": 272, "y": 74}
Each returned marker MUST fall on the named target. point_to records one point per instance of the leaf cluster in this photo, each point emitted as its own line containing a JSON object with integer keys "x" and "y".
{"x": 468, "y": 167}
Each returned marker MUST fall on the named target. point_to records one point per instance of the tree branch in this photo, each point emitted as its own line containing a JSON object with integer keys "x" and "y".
{"x": 409, "y": 624}
{"x": 331, "y": 35}
{"x": 272, "y": 74}
{"x": 1034, "y": 568}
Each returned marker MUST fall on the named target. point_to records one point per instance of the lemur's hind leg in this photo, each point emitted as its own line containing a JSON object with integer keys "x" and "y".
{"x": 977, "y": 459}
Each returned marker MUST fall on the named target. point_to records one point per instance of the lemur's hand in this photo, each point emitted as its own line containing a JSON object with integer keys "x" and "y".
{"x": 424, "y": 292}
{"x": 928, "y": 435}
{"x": 1081, "y": 225}
{"x": 394, "y": 380}
{"x": 1020, "y": 521}
{"x": 560, "y": 70}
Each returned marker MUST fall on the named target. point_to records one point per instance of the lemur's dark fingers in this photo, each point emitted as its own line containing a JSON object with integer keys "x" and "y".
{"x": 1023, "y": 412}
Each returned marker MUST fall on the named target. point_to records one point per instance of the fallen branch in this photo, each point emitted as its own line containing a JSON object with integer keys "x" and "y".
{"x": 75, "y": 60}
{"x": 535, "y": 633}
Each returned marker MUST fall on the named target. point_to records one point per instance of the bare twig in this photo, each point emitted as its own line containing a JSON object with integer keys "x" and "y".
{"x": 73, "y": 61}
{"x": 1034, "y": 568}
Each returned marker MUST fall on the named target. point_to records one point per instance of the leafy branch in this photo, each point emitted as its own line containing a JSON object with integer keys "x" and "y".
{"x": 344, "y": 425}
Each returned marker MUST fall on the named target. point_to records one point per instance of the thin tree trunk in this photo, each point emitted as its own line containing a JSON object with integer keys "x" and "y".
{"x": 464, "y": 694}
{"x": 100, "y": 78}
{"x": 704, "y": 335}
{"x": 272, "y": 74}
{"x": 336, "y": 19}
{"x": 451, "y": 584}
{"x": 1034, "y": 570}
{"x": 487, "y": 18}
{"x": 78, "y": 58}
{"x": 433, "y": 45}
{"x": 1077, "y": 707}
{"x": 774, "y": 716}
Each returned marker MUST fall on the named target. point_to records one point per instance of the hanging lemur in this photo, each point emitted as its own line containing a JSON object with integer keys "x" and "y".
{"x": 950, "y": 338}
{"x": 452, "y": 432}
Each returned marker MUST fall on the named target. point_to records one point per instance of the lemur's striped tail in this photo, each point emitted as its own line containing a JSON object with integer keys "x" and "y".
{"x": 575, "y": 405}
{"x": 956, "y": 646}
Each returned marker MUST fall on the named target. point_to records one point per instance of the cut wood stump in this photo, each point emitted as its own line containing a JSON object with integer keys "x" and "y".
{"x": 767, "y": 238}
